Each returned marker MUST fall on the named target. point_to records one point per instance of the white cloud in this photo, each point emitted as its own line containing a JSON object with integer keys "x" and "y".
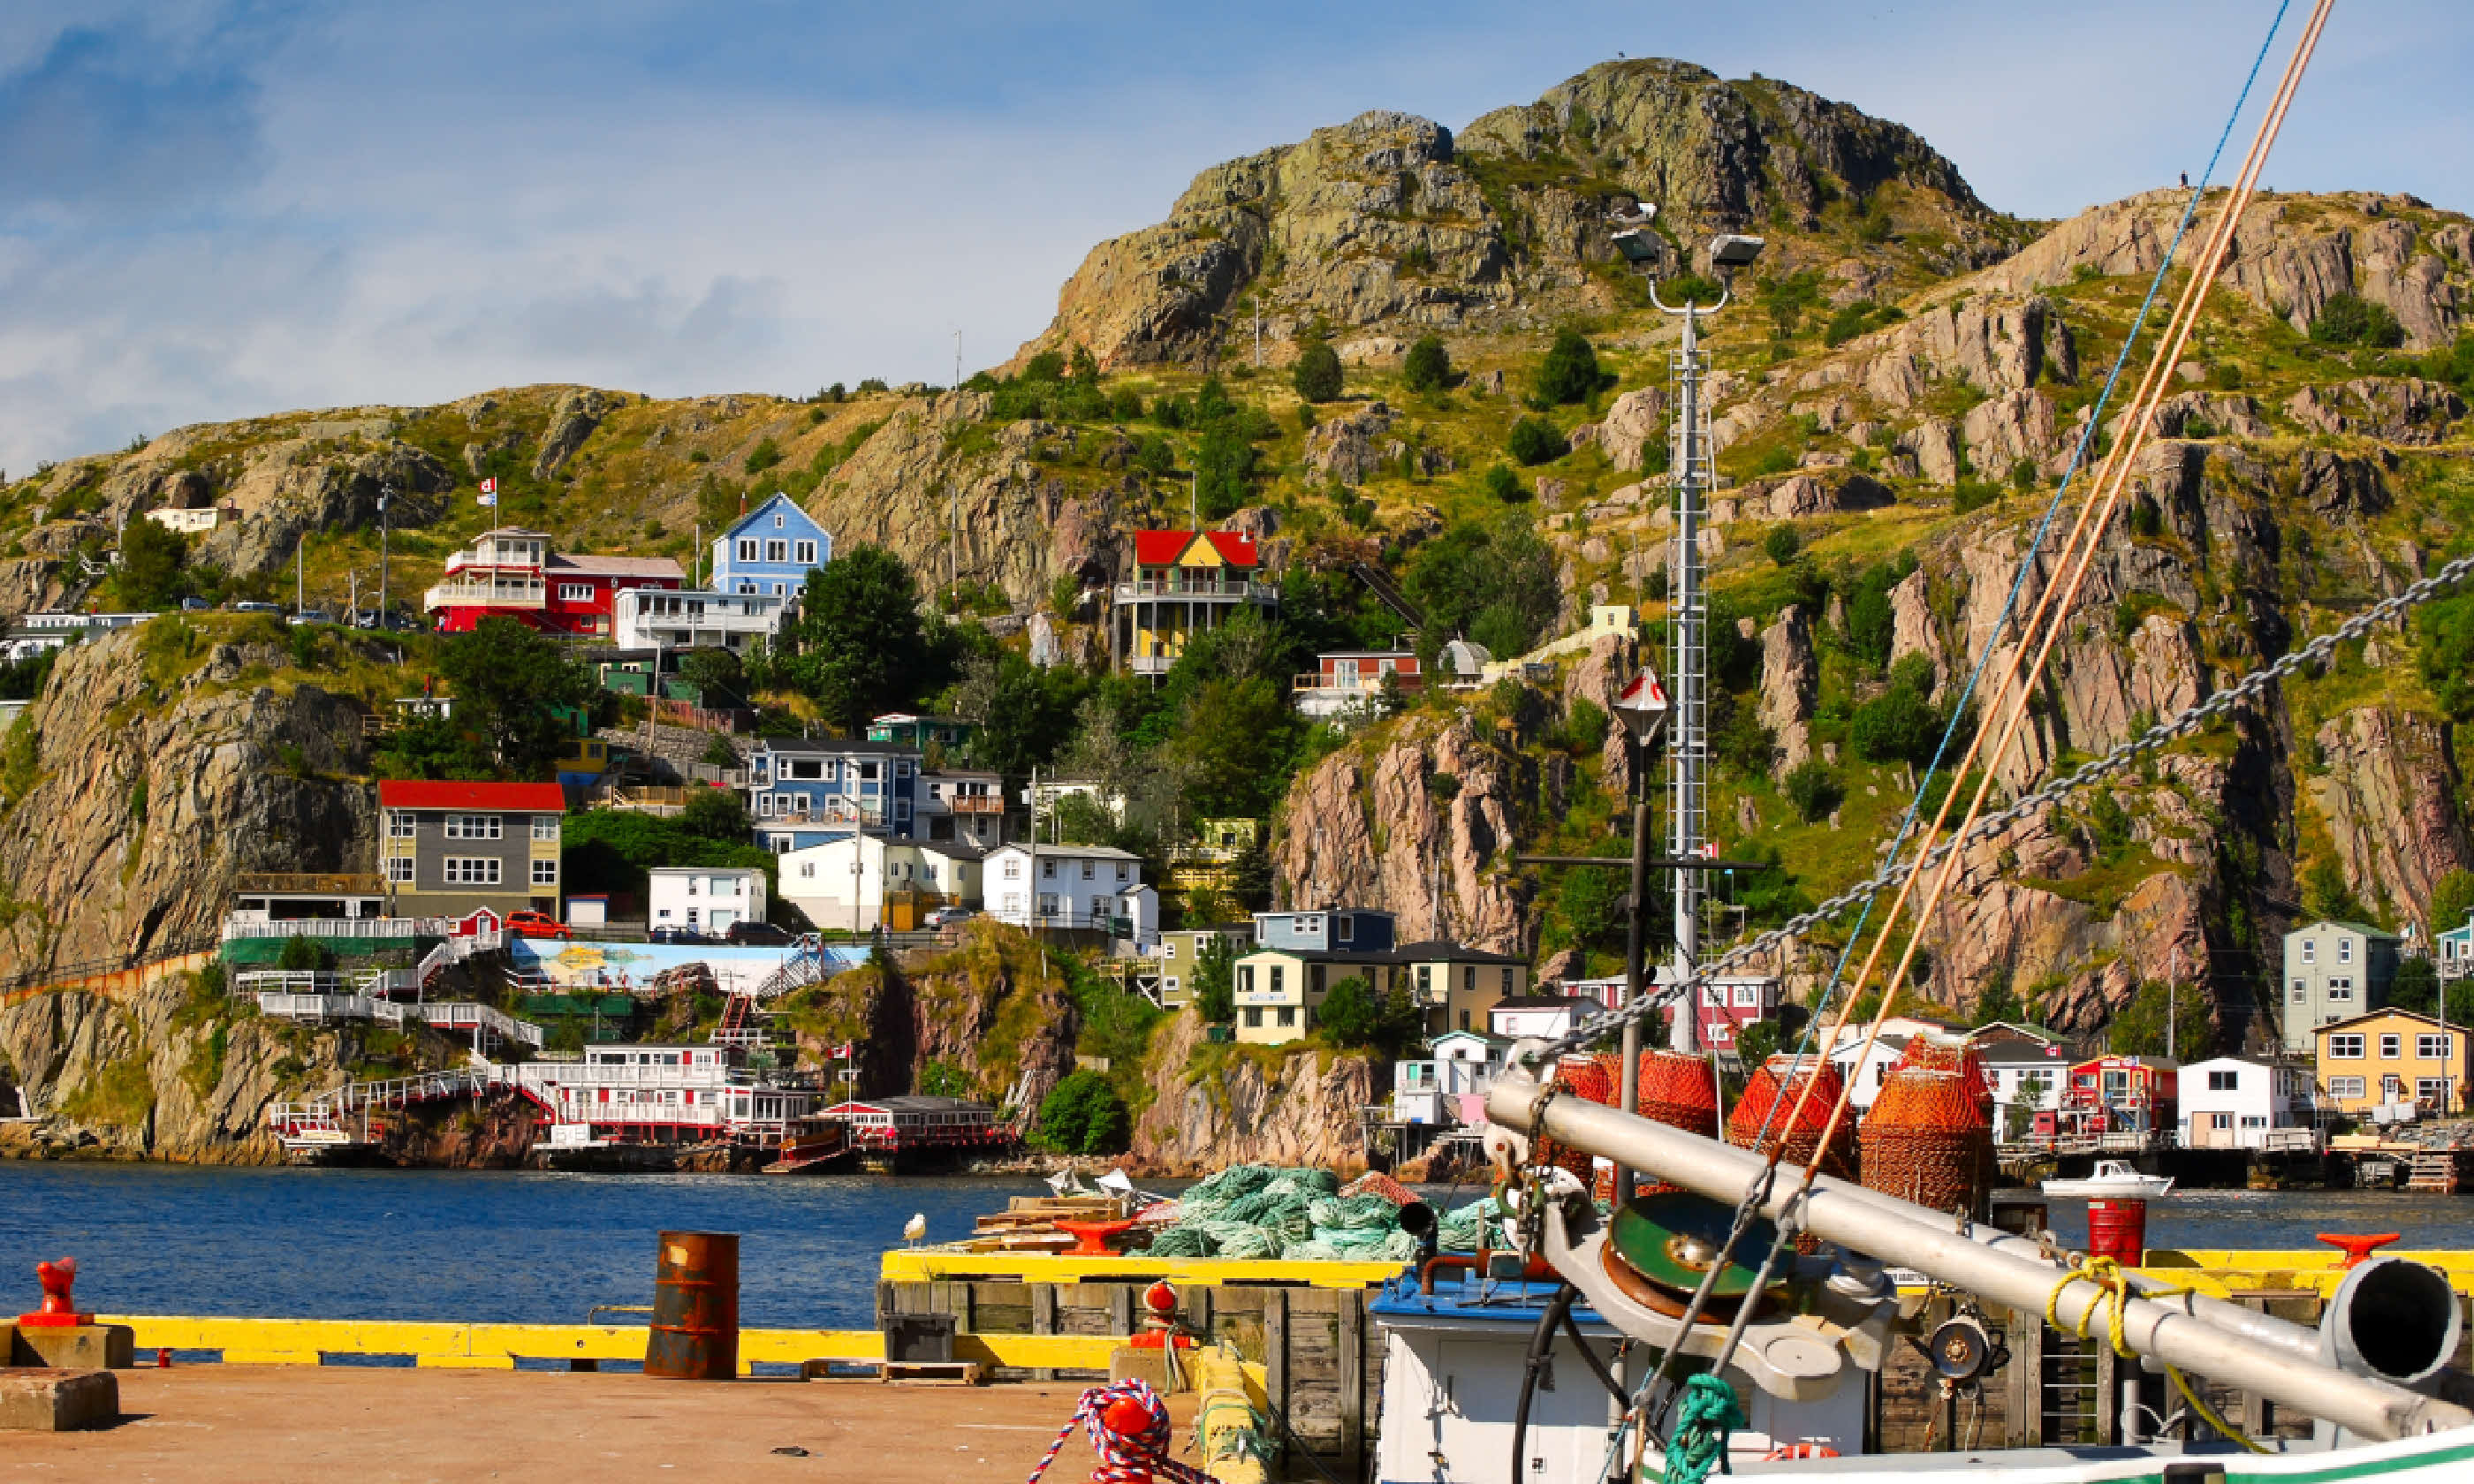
{"x": 211, "y": 210}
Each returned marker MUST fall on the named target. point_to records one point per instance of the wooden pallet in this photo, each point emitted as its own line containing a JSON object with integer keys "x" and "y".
{"x": 2439, "y": 1174}
{"x": 897, "y": 1373}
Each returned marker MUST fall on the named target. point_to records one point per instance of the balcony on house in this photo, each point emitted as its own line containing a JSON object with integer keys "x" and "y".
{"x": 482, "y": 590}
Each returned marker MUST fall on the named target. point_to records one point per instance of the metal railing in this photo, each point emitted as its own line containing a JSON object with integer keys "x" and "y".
{"x": 1173, "y": 587}
{"x": 290, "y": 981}
{"x": 316, "y": 1007}
{"x": 237, "y": 926}
{"x": 499, "y": 594}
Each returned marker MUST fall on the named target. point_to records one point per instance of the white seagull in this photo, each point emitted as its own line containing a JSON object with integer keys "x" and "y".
{"x": 916, "y": 1227}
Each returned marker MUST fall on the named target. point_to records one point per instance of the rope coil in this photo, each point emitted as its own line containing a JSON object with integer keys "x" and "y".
{"x": 2114, "y": 1285}
{"x": 1128, "y": 1454}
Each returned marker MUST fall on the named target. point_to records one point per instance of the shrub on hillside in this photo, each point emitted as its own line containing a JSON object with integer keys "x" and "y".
{"x": 1534, "y": 440}
{"x": 1781, "y": 545}
{"x": 1505, "y": 485}
{"x": 1316, "y": 375}
{"x": 1429, "y": 366}
{"x": 1571, "y": 373}
{"x": 1813, "y": 789}
{"x": 1082, "y": 1114}
{"x": 2351, "y": 320}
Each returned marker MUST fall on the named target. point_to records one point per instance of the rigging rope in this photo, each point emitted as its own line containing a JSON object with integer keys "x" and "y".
{"x": 1129, "y": 1426}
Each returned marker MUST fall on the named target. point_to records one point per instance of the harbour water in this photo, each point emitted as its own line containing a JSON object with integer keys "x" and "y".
{"x": 515, "y": 1247}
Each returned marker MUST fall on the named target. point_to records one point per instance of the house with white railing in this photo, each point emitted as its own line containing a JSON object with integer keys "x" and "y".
{"x": 1094, "y": 889}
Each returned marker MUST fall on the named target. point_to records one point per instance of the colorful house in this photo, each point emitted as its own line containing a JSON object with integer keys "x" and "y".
{"x": 770, "y": 550}
{"x": 513, "y": 573}
{"x": 2390, "y": 1057}
{"x": 1346, "y": 679}
{"x": 448, "y": 849}
{"x": 2333, "y": 972}
{"x": 803, "y": 793}
{"x": 910, "y": 729}
{"x": 1184, "y": 582}
{"x": 2122, "y": 1094}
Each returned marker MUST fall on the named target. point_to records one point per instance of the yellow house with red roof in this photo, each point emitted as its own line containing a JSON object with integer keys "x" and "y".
{"x": 1184, "y": 583}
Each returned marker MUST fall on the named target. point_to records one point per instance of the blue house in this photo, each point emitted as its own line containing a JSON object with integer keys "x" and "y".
{"x": 1346, "y": 930}
{"x": 771, "y": 550}
{"x": 803, "y": 793}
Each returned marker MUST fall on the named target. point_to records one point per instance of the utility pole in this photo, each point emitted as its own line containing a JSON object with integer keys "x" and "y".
{"x": 698, "y": 557}
{"x": 2173, "y": 999}
{"x": 957, "y": 360}
{"x": 299, "y": 564}
{"x": 385, "y": 493}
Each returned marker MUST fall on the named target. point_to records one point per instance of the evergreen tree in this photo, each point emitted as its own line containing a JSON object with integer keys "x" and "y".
{"x": 1316, "y": 375}
{"x": 1429, "y": 366}
{"x": 861, "y": 646}
{"x": 1571, "y": 373}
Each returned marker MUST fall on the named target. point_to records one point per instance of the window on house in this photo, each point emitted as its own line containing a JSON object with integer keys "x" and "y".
{"x": 545, "y": 827}
{"x": 544, "y": 872}
{"x": 399, "y": 867}
{"x": 1090, "y": 869}
{"x": 2223, "y": 1120}
{"x": 1048, "y": 871}
{"x": 2346, "y": 1047}
{"x": 2222, "y": 1081}
{"x": 2340, "y": 989}
{"x": 747, "y": 548}
{"x": 2254, "y": 1121}
{"x": 777, "y": 551}
{"x": 1279, "y": 972}
{"x": 1469, "y": 979}
{"x": 2431, "y": 1048}
{"x": 2344, "y": 950}
{"x": 807, "y": 554}
{"x": 575, "y": 592}
{"x": 473, "y": 827}
{"x": 2391, "y": 1046}
{"x": 2310, "y": 950}
{"x": 1287, "y": 1015}
{"x": 2429, "y": 1090}
{"x": 1168, "y": 950}
{"x": 1246, "y": 978}
{"x": 1121, "y": 871}
{"x": 2344, "y": 1087}
{"x": 2301, "y": 991}
{"x": 1426, "y": 981}
{"x": 1013, "y": 868}
{"x": 1048, "y": 905}
{"x": 471, "y": 870}
{"x": 1507, "y": 982}
{"x": 1253, "y": 1017}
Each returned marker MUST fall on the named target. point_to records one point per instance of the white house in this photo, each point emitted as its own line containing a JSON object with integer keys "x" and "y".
{"x": 707, "y": 899}
{"x": 2232, "y": 1102}
{"x": 666, "y": 618}
{"x": 1866, "y": 1079}
{"x": 1448, "y": 1085}
{"x": 204, "y": 519}
{"x": 1543, "y": 1015}
{"x": 845, "y": 882}
{"x": 1091, "y": 887}
{"x": 2027, "y": 1078}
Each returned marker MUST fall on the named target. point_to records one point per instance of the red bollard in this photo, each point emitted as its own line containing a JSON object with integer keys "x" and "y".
{"x": 163, "y": 1358}
{"x": 60, "y": 1310}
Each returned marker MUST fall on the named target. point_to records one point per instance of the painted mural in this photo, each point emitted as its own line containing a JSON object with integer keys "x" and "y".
{"x": 656, "y": 967}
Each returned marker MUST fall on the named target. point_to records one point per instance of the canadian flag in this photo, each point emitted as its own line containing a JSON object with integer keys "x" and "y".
{"x": 847, "y": 1051}
{"x": 488, "y": 492}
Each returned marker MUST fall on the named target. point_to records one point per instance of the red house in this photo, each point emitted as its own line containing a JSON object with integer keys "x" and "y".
{"x": 2120, "y": 1094}
{"x": 512, "y": 573}
{"x": 1347, "y": 677}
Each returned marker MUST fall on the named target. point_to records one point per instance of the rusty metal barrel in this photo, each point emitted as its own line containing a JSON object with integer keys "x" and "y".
{"x": 695, "y": 1307}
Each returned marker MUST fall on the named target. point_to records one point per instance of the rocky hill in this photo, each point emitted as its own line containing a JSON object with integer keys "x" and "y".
{"x": 1900, "y": 384}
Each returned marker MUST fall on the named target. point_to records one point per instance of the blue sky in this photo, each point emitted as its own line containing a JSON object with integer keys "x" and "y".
{"x": 211, "y": 209}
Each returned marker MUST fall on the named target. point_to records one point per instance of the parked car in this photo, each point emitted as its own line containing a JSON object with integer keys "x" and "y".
{"x": 947, "y": 916}
{"x": 195, "y": 604}
{"x": 536, "y": 925}
{"x": 764, "y": 933}
{"x": 676, "y": 935}
{"x": 255, "y": 608}
{"x": 311, "y": 616}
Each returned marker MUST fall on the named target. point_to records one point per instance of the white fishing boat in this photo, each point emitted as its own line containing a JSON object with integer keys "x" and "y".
{"x": 2114, "y": 1180}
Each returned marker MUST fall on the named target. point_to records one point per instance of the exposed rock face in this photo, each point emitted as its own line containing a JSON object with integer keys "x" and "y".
{"x": 2397, "y": 410}
{"x": 166, "y": 767}
{"x": 1391, "y": 220}
{"x": 1912, "y": 627}
{"x": 1633, "y": 421}
{"x": 1302, "y": 1113}
{"x": 1006, "y": 521}
{"x": 1790, "y": 685}
{"x": 578, "y": 412}
{"x": 1600, "y": 676}
{"x": 2288, "y": 258}
{"x": 136, "y": 1078}
{"x": 2389, "y": 797}
{"x": 1379, "y": 830}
